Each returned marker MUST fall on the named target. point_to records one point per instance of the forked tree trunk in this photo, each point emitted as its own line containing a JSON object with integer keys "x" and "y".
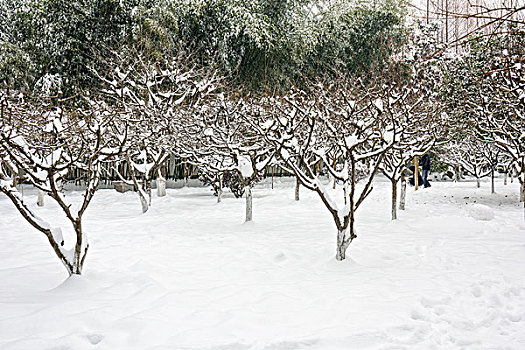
{"x": 345, "y": 236}
{"x": 402, "y": 200}
{"x": 54, "y": 236}
{"x": 345, "y": 229}
{"x": 249, "y": 203}
{"x": 394, "y": 199}
{"x": 297, "y": 184}
{"x": 341, "y": 245}
{"x": 40, "y": 200}
{"x": 79, "y": 256}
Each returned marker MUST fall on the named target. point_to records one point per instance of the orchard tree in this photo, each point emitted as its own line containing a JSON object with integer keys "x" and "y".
{"x": 155, "y": 92}
{"x": 219, "y": 140}
{"x": 44, "y": 143}
{"x": 486, "y": 88}
{"x": 346, "y": 123}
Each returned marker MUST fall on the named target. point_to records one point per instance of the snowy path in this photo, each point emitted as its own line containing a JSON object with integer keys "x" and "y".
{"x": 190, "y": 275}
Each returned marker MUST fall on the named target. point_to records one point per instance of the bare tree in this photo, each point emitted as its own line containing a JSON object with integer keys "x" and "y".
{"x": 155, "y": 92}
{"x": 486, "y": 95}
{"x": 219, "y": 141}
{"x": 416, "y": 126}
{"x": 346, "y": 123}
{"x": 42, "y": 144}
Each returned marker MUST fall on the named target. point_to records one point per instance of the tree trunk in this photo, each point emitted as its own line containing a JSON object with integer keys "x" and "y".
{"x": 477, "y": 181}
{"x": 186, "y": 176}
{"x": 272, "y": 175}
{"x": 147, "y": 188}
{"x": 522, "y": 191}
{"x": 161, "y": 186}
{"x": 249, "y": 203}
{"x": 505, "y": 175}
{"x": 345, "y": 236}
{"x": 297, "y": 184}
{"x": 341, "y": 246}
{"x": 54, "y": 237}
{"x": 492, "y": 186}
{"x": 394, "y": 199}
{"x": 522, "y": 194}
{"x": 79, "y": 255}
{"x": 402, "y": 200}
{"x": 416, "y": 173}
{"x": 40, "y": 200}
{"x": 219, "y": 191}
{"x": 143, "y": 200}
{"x": 335, "y": 167}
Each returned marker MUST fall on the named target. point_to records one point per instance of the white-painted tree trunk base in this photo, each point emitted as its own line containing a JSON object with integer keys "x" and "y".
{"x": 249, "y": 204}
{"x": 40, "y": 200}
{"x": 161, "y": 187}
{"x": 403, "y": 196}
{"x": 343, "y": 242}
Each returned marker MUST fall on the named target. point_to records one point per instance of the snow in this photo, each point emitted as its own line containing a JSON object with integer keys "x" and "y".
{"x": 389, "y": 136}
{"x": 54, "y": 125}
{"x": 379, "y": 104}
{"x": 208, "y": 132}
{"x": 351, "y": 141}
{"x": 190, "y": 275}
{"x": 245, "y": 167}
{"x": 57, "y": 235}
{"x": 268, "y": 124}
{"x": 481, "y": 212}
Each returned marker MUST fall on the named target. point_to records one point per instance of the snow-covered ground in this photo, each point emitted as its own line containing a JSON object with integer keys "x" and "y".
{"x": 189, "y": 274}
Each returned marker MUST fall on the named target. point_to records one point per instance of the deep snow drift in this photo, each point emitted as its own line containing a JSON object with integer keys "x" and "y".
{"x": 190, "y": 275}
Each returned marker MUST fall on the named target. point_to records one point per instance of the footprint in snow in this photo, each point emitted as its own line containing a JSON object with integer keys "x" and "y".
{"x": 476, "y": 291}
{"x": 280, "y": 257}
{"x": 95, "y": 338}
{"x": 416, "y": 315}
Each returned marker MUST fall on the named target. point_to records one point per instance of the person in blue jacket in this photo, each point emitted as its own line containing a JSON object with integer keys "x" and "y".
{"x": 425, "y": 166}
